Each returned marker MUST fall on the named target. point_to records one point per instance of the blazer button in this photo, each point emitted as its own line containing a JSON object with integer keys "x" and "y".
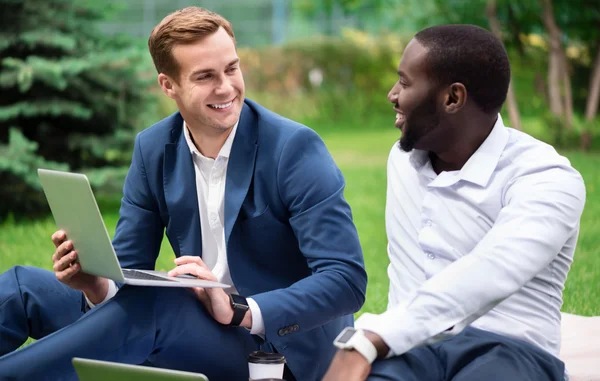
{"x": 282, "y": 332}
{"x": 295, "y": 327}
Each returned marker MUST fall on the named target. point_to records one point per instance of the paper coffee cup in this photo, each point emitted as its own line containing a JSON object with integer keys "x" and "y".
{"x": 266, "y": 365}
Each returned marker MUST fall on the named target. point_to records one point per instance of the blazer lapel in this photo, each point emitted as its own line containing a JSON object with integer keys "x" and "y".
{"x": 181, "y": 196}
{"x": 240, "y": 168}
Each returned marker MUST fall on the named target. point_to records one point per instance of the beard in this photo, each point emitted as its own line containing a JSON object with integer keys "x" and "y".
{"x": 421, "y": 121}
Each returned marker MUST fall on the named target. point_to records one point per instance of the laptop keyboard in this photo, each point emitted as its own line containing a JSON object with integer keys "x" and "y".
{"x": 133, "y": 274}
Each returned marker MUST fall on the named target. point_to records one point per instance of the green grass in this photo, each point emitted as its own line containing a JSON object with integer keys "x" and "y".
{"x": 362, "y": 156}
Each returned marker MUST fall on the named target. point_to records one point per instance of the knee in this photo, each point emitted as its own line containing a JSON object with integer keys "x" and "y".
{"x": 25, "y": 274}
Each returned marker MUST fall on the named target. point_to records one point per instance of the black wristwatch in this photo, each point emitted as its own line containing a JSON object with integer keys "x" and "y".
{"x": 240, "y": 306}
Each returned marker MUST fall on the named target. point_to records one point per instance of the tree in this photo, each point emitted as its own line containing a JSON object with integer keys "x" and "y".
{"x": 513, "y": 108}
{"x": 70, "y": 96}
{"x": 559, "y": 81}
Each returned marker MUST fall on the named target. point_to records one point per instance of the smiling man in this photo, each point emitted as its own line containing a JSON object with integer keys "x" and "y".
{"x": 246, "y": 197}
{"x": 482, "y": 223}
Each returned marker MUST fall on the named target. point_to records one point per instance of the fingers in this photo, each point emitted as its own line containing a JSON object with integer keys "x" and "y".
{"x": 65, "y": 262}
{"x": 59, "y": 237}
{"x": 61, "y": 250}
{"x": 68, "y": 273}
{"x": 190, "y": 259}
{"x": 194, "y": 269}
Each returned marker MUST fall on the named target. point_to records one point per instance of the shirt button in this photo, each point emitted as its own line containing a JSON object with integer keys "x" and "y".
{"x": 429, "y": 223}
{"x": 430, "y": 256}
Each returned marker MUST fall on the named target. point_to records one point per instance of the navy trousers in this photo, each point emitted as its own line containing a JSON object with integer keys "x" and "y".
{"x": 34, "y": 304}
{"x": 162, "y": 327}
{"x": 472, "y": 355}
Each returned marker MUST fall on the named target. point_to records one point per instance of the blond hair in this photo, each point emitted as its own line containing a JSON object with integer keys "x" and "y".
{"x": 184, "y": 26}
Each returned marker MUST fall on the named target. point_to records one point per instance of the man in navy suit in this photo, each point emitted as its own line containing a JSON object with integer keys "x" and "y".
{"x": 246, "y": 196}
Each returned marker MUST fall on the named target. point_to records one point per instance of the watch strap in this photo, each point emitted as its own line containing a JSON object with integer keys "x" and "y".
{"x": 360, "y": 343}
{"x": 240, "y": 306}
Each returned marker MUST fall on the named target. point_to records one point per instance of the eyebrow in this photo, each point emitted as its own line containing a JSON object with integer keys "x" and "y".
{"x": 402, "y": 74}
{"x": 203, "y": 71}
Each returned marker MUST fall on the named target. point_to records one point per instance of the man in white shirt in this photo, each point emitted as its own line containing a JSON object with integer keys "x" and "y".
{"x": 245, "y": 197}
{"x": 482, "y": 223}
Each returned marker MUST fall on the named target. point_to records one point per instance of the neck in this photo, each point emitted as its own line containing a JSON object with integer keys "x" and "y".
{"x": 469, "y": 134}
{"x": 209, "y": 145}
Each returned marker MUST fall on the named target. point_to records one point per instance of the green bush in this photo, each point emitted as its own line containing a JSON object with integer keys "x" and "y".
{"x": 70, "y": 96}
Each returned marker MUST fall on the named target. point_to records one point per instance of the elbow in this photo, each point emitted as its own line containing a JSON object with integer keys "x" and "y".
{"x": 358, "y": 285}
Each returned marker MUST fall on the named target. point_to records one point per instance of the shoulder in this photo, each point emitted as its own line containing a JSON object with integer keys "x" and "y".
{"x": 528, "y": 155}
{"x": 539, "y": 167}
{"x": 161, "y": 132}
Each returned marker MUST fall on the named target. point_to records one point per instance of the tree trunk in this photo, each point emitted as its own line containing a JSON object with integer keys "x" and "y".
{"x": 515, "y": 30}
{"x": 511, "y": 101}
{"x": 591, "y": 107}
{"x": 558, "y": 71}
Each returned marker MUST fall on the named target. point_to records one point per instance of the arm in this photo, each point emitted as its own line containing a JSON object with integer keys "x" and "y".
{"x": 311, "y": 186}
{"x": 140, "y": 230}
{"x": 542, "y": 210}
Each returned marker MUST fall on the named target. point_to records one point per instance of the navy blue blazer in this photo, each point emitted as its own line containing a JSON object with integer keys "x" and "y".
{"x": 291, "y": 243}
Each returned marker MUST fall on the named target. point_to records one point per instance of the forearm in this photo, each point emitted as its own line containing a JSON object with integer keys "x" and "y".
{"x": 311, "y": 302}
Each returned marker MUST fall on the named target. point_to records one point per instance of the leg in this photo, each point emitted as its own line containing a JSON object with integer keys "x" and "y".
{"x": 420, "y": 364}
{"x": 479, "y": 355}
{"x": 168, "y": 328}
{"x": 33, "y": 303}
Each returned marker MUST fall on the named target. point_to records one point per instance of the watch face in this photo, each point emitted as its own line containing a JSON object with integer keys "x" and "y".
{"x": 237, "y": 299}
{"x": 346, "y": 335}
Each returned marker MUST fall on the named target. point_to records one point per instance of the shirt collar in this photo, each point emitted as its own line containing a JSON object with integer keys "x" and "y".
{"x": 225, "y": 151}
{"x": 481, "y": 165}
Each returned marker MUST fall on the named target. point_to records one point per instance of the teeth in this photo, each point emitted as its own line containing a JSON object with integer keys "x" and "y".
{"x": 224, "y": 105}
{"x": 397, "y": 116}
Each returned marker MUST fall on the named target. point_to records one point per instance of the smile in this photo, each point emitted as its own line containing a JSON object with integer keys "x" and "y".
{"x": 400, "y": 119}
{"x": 221, "y": 106}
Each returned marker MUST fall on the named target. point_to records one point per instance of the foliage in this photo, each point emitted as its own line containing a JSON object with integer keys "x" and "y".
{"x": 68, "y": 94}
{"x": 340, "y": 79}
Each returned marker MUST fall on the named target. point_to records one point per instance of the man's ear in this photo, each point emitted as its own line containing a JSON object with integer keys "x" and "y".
{"x": 167, "y": 85}
{"x": 456, "y": 98}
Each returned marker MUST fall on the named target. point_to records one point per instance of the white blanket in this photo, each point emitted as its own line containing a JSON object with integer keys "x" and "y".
{"x": 580, "y": 347}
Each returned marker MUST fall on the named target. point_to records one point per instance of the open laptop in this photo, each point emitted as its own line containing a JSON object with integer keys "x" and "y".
{"x": 76, "y": 212}
{"x": 94, "y": 370}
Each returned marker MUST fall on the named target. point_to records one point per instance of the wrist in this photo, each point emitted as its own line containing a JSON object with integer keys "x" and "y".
{"x": 247, "y": 321}
{"x": 382, "y": 348}
{"x": 97, "y": 291}
{"x": 240, "y": 311}
{"x": 354, "y": 340}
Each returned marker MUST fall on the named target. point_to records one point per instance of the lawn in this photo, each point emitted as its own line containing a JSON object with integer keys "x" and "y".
{"x": 362, "y": 156}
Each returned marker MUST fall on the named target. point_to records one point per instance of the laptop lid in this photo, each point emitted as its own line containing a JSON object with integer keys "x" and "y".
{"x": 94, "y": 370}
{"x": 76, "y": 212}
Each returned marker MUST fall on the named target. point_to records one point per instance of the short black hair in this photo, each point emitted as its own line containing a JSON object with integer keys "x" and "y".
{"x": 472, "y": 56}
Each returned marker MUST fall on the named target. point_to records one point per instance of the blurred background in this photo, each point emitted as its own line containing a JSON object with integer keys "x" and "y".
{"x": 77, "y": 83}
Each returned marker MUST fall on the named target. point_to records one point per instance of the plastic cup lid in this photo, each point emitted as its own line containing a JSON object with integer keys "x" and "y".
{"x": 260, "y": 357}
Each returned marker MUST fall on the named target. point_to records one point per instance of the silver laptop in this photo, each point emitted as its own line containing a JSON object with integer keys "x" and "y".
{"x": 94, "y": 370}
{"x": 76, "y": 212}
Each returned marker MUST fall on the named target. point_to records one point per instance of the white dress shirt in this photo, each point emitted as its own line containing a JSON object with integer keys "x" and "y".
{"x": 489, "y": 245}
{"x": 211, "y": 175}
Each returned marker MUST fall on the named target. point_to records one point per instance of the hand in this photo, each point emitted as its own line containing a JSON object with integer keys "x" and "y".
{"x": 348, "y": 366}
{"x": 215, "y": 300}
{"x": 68, "y": 271}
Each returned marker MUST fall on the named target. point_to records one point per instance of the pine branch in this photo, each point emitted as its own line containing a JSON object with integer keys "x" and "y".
{"x": 52, "y": 108}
